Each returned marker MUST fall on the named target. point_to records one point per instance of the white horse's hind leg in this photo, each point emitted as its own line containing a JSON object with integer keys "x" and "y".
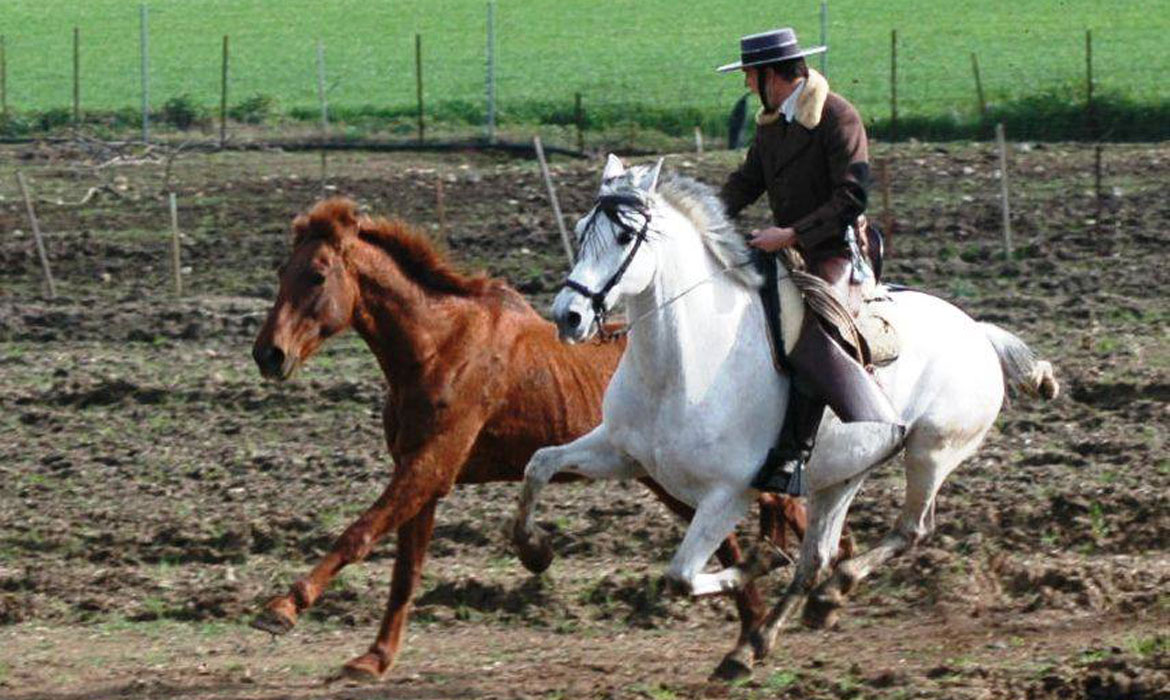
{"x": 827, "y": 509}
{"x": 930, "y": 458}
{"x": 715, "y": 518}
{"x": 590, "y": 455}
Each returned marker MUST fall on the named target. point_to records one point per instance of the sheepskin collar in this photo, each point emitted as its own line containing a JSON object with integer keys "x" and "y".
{"x": 810, "y": 104}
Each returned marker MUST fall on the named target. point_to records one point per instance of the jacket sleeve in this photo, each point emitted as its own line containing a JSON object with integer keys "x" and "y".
{"x": 848, "y": 161}
{"x": 746, "y": 184}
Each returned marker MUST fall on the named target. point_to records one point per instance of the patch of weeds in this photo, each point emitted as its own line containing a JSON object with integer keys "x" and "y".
{"x": 963, "y": 289}
{"x": 1149, "y": 646}
{"x": 1107, "y": 344}
{"x": 654, "y": 692}
{"x": 1097, "y": 520}
{"x": 566, "y": 627}
{"x": 779, "y": 680}
{"x": 5, "y": 671}
{"x": 1093, "y": 655}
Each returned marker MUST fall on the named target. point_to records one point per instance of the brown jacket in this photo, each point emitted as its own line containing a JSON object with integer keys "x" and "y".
{"x": 815, "y": 170}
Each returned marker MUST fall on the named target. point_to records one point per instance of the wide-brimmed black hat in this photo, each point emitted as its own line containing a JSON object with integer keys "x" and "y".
{"x": 769, "y": 47}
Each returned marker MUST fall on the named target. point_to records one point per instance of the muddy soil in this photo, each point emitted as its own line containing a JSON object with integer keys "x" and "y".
{"x": 153, "y": 491}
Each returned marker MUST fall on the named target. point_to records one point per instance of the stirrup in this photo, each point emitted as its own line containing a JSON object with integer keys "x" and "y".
{"x": 780, "y": 473}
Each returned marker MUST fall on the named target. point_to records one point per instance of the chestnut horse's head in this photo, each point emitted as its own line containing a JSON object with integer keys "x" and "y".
{"x": 317, "y": 294}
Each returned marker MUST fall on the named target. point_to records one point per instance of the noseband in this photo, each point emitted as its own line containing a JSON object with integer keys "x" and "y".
{"x": 610, "y": 205}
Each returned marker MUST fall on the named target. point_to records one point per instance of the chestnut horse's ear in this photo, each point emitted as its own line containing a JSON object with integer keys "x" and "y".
{"x": 300, "y": 228}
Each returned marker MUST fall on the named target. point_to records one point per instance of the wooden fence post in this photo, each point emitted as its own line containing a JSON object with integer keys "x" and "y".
{"x": 440, "y": 208}
{"x": 76, "y": 76}
{"x": 176, "y": 249}
{"x": 36, "y": 227}
{"x": 1091, "y": 111}
{"x": 418, "y": 79}
{"x": 3, "y": 80}
{"x": 491, "y": 71}
{"x": 699, "y": 140}
{"x": 887, "y": 213}
{"x": 144, "y": 48}
{"x": 978, "y": 86}
{"x": 223, "y": 95}
{"x": 552, "y": 196}
{"x": 893, "y": 85}
{"x": 579, "y": 119}
{"x": 324, "y": 117}
{"x": 1003, "y": 191}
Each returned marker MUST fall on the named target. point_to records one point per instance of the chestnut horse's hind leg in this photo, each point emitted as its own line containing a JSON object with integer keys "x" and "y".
{"x": 413, "y": 538}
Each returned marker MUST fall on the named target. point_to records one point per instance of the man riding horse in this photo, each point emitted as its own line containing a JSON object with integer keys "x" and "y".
{"x": 811, "y": 157}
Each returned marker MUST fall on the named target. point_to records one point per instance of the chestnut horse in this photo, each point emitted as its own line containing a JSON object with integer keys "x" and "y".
{"x": 477, "y": 383}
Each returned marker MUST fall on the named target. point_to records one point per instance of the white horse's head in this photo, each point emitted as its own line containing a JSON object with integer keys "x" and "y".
{"x": 613, "y": 260}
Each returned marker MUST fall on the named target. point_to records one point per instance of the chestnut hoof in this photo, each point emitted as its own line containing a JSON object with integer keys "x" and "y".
{"x": 370, "y": 667}
{"x": 278, "y": 617}
{"x": 731, "y": 669}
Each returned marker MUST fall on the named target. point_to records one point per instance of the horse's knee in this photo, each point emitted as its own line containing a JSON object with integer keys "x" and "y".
{"x": 541, "y": 466}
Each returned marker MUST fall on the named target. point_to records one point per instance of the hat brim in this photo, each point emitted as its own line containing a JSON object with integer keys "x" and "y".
{"x": 740, "y": 64}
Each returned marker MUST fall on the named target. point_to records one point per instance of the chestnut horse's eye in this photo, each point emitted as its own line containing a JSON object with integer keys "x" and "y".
{"x": 315, "y": 278}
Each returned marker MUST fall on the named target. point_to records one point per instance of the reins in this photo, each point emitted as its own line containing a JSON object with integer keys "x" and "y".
{"x": 625, "y": 330}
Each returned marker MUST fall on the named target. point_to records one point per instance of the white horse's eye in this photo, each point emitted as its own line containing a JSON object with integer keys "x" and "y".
{"x": 624, "y": 237}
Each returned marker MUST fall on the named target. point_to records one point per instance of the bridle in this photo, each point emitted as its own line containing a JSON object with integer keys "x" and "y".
{"x": 610, "y": 205}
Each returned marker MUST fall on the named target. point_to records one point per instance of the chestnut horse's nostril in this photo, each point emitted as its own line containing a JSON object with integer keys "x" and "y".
{"x": 573, "y": 320}
{"x": 270, "y": 360}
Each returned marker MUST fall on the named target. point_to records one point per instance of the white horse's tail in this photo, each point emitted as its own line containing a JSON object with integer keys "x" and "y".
{"x": 1021, "y": 369}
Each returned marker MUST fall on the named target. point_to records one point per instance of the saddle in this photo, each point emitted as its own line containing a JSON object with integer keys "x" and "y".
{"x": 789, "y": 292}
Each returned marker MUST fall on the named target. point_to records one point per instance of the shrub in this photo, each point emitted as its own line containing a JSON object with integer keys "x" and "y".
{"x": 257, "y": 109}
{"x": 182, "y": 112}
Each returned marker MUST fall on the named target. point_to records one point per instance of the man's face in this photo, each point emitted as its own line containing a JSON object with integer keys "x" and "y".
{"x": 751, "y": 77}
{"x": 778, "y": 88}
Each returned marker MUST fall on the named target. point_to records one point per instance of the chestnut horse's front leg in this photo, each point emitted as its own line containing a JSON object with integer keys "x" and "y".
{"x": 413, "y": 538}
{"x": 421, "y": 477}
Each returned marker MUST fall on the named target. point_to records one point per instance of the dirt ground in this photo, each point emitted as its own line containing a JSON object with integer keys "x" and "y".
{"x": 153, "y": 491}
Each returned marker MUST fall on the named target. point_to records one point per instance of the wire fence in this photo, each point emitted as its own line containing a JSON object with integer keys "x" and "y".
{"x": 474, "y": 67}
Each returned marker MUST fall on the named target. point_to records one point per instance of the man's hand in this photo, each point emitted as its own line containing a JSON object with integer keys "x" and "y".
{"x": 772, "y": 239}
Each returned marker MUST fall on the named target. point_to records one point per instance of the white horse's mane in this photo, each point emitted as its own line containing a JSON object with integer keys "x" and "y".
{"x": 700, "y": 204}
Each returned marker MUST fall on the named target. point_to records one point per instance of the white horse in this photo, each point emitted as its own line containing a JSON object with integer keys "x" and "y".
{"x": 696, "y": 403}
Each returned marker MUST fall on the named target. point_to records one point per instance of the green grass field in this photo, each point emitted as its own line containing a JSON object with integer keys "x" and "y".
{"x": 639, "y": 60}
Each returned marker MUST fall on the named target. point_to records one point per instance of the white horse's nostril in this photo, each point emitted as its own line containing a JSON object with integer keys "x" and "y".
{"x": 573, "y": 320}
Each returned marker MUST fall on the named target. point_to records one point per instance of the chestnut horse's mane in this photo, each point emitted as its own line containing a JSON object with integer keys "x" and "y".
{"x": 336, "y": 220}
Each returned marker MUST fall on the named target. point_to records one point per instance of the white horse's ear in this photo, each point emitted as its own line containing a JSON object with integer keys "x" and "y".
{"x": 613, "y": 168}
{"x": 649, "y": 180}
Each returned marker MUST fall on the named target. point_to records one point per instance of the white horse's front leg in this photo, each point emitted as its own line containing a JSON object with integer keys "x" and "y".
{"x": 591, "y": 456}
{"x": 715, "y": 519}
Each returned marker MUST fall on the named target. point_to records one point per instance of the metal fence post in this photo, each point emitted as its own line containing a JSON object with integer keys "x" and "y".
{"x": 491, "y": 71}
{"x": 825, "y": 38}
{"x": 144, "y": 47}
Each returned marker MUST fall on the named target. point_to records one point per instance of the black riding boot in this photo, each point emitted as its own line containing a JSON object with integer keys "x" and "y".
{"x": 780, "y": 472}
{"x": 824, "y": 371}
